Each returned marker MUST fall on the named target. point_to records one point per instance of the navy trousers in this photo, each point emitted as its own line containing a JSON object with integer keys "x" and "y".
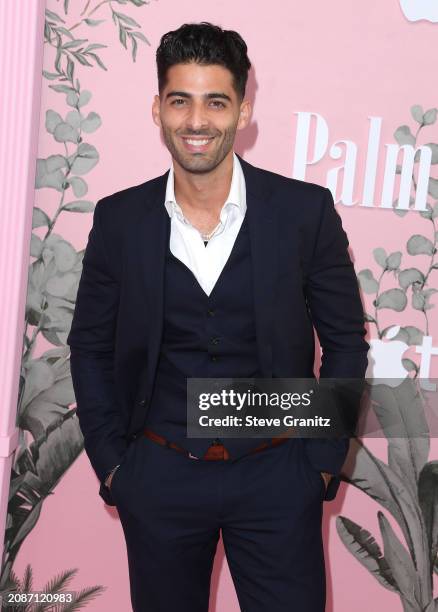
{"x": 268, "y": 506}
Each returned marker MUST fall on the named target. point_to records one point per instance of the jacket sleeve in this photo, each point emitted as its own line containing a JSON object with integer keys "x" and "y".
{"x": 91, "y": 340}
{"x": 332, "y": 294}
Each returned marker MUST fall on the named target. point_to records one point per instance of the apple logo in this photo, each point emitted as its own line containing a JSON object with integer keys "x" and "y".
{"x": 414, "y": 10}
{"x": 385, "y": 359}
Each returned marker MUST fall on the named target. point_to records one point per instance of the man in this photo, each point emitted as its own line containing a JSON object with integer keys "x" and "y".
{"x": 215, "y": 269}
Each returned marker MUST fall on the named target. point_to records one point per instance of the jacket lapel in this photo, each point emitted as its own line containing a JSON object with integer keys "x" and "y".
{"x": 262, "y": 223}
{"x": 263, "y": 228}
{"x": 155, "y": 229}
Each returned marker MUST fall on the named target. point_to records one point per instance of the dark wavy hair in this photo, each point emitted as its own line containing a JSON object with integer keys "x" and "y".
{"x": 207, "y": 44}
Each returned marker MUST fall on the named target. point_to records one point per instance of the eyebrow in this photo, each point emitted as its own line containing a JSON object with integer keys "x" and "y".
{"x": 208, "y": 96}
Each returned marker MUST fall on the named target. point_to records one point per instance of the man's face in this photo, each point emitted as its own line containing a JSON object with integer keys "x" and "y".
{"x": 199, "y": 113}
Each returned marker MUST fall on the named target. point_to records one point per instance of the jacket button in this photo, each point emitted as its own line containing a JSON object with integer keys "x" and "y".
{"x": 142, "y": 402}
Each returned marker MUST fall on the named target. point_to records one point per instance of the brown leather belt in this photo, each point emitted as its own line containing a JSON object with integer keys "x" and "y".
{"x": 216, "y": 452}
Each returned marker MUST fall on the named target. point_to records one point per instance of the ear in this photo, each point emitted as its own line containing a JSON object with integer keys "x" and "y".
{"x": 245, "y": 114}
{"x": 156, "y": 111}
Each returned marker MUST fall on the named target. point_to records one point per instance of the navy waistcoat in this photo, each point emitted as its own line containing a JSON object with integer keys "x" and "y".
{"x": 204, "y": 337}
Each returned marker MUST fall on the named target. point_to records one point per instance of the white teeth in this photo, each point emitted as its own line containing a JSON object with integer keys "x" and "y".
{"x": 197, "y": 142}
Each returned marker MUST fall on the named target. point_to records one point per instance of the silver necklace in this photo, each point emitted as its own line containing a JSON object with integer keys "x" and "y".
{"x": 208, "y": 236}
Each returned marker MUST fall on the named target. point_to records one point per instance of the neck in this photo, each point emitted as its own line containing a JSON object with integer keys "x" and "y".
{"x": 203, "y": 191}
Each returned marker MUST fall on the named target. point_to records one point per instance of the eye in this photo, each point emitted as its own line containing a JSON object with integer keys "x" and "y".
{"x": 177, "y": 100}
{"x": 218, "y": 104}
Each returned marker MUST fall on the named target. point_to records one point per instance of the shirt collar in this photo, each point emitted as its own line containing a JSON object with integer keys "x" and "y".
{"x": 236, "y": 195}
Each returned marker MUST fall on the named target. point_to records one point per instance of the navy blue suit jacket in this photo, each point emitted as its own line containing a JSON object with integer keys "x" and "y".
{"x": 303, "y": 279}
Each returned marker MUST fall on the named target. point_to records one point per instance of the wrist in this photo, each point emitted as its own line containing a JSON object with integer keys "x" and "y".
{"x": 327, "y": 478}
{"x": 110, "y": 475}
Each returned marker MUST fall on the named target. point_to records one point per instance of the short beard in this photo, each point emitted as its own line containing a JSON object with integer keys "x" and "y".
{"x": 205, "y": 166}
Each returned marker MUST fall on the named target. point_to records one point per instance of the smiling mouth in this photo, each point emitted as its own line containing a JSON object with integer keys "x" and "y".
{"x": 196, "y": 144}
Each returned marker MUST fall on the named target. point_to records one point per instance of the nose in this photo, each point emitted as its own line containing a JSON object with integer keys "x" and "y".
{"x": 196, "y": 118}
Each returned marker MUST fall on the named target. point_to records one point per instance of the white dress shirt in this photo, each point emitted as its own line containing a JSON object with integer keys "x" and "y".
{"x": 186, "y": 242}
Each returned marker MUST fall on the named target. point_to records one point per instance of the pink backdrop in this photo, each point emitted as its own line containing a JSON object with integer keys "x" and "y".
{"x": 345, "y": 61}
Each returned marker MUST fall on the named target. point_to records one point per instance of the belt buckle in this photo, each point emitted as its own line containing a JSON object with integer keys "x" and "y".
{"x": 192, "y": 456}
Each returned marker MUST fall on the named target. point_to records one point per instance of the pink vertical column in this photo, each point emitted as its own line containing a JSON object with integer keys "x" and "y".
{"x": 21, "y": 53}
